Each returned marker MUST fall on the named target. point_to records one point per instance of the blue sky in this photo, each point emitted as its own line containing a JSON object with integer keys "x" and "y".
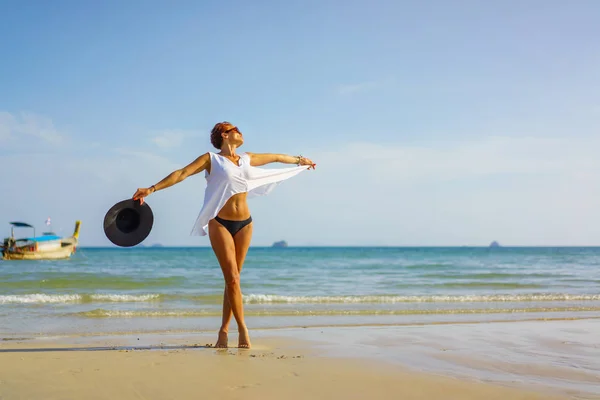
{"x": 432, "y": 123}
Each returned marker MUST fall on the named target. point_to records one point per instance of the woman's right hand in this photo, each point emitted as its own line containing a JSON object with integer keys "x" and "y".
{"x": 141, "y": 193}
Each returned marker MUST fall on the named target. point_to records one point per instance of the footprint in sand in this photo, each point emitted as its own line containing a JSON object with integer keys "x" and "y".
{"x": 247, "y": 386}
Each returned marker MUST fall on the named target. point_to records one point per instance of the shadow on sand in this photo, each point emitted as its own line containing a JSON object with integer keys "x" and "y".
{"x": 105, "y": 348}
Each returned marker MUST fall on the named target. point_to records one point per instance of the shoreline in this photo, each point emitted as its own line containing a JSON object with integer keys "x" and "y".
{"x": 531, "y": 358}
{"x": 73, "y": 334}
{"x": 123, "y": 326}
{"x": 265, "y": 373}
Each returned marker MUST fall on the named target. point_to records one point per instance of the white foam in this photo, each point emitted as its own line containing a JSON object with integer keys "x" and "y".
{"x": 40, "y": 298}
{"x": 102, "y": 313}
{"x": 124, "y": 297}
{"x": 267, "y": 298}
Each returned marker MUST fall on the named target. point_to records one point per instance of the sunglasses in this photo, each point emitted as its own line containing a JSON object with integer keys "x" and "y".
{"x": 233, "y": 129}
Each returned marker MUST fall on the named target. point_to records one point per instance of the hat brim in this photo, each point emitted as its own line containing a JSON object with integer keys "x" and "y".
{"x": 128, "y": 223}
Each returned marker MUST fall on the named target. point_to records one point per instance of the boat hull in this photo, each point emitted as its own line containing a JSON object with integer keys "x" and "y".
{"x": 65, "y": 251}
{"x": 41, "y": 248}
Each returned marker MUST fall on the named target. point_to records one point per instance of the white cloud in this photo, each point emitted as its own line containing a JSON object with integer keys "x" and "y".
{"x": 6, "y": 122}
{"x": 146, "y": 155}
{"x": 348, "y": 89}
{"x": 478, "y": 158}
{"x": 24, "y": 126}
{"x": 524, "y": 191}
{"x": 365, "y": 86}
{"x": 171, "y": 138}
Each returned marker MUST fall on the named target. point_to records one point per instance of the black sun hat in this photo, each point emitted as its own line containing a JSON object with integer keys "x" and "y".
{"x": 128, "y": 222}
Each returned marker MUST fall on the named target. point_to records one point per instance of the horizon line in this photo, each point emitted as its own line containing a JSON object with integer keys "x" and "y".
{"x": 349, "y": 246}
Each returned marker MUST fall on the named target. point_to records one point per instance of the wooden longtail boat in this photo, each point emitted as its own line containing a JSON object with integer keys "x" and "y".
{"x": 49, "y": 246}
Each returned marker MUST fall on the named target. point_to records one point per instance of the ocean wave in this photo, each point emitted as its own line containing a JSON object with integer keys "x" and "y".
{"x": 487, "y": 285}
{"x": 88, "y": 281}
{"x": 124, "y": 297}
{"x": 267, "y": 298}
{"x": 37, "y": 298}
{"x": 103, "y": 313}
{"x": 40, "y": 298}
{"x": 215, "y": 299}
{"x": 493, "y": 275}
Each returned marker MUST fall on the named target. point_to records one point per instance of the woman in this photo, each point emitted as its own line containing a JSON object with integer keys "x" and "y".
{"x": 225, "y": 217}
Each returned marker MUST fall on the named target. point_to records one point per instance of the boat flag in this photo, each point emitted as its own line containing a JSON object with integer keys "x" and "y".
{"x": 48, "y": 221}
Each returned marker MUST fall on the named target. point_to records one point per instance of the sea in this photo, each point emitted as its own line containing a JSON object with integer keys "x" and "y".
{"x": 167, "y": 289}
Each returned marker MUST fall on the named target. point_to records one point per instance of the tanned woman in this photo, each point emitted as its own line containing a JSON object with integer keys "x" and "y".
{"x": 231, "y": 178}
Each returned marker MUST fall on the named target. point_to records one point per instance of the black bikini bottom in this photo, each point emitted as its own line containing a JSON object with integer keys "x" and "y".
{"x": 233, "y": 226}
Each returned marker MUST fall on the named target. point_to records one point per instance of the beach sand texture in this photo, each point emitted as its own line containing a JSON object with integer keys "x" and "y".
{"x": 191, "y": 373}
{"x": 284, "y": 364}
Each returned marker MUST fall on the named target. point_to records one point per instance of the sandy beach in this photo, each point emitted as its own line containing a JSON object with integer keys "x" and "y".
{"x": 223, "y": 374}
{"x": 315, "y": 363}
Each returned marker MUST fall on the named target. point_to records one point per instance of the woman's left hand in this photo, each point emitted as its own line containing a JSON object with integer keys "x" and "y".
{"x": 306, "y": 161}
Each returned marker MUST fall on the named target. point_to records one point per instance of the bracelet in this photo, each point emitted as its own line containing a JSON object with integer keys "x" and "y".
{"x": 153, "y": 187}
{"x": 299, "y": 159}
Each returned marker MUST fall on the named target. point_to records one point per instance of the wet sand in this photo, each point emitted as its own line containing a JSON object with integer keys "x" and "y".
{"x": 468, "y": 361}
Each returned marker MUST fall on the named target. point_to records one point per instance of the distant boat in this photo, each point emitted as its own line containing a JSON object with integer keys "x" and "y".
{"x": 49, "y": 246}
{"x": 280, "y": 244}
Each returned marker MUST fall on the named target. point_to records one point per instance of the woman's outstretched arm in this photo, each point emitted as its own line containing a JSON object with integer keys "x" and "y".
{"x": 257, "y": 159}
{"x": 198, "y": 165}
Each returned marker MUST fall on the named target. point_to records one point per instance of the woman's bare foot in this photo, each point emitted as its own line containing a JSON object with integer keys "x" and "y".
{"x": 222, "y": 340}
{"x": 244, "y": 340}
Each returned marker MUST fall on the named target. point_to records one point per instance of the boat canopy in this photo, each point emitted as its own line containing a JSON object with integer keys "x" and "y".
{"x": 44, "y": 238}
{"x": 21, "y": 225}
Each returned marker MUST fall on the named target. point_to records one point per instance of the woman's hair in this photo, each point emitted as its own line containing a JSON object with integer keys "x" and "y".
{"x": 215, "y": 135}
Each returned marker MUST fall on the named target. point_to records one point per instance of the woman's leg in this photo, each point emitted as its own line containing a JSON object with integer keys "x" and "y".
{"x": 241, "y": 241}
{"x": 231, "y": 252}
{"x": 222, "y": 340}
